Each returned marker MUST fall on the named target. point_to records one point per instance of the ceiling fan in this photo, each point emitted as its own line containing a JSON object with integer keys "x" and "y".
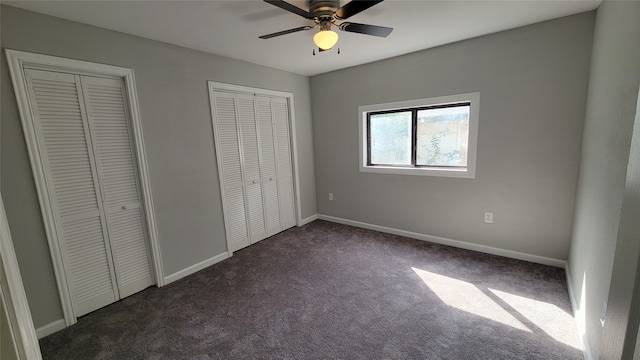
{"x": 325, "y": 13}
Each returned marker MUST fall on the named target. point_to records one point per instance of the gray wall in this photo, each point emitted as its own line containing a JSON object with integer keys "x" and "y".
{"x": 532, "y": 83}
{"x": 611, "y": 106}
{"x": 7, "y": 348}
{"x": 176, "y": 121}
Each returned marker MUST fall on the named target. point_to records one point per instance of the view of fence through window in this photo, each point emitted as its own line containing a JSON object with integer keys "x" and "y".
{"x": 391, "y": 138}
{"x": 441, "y": 139}
{"x": 443, "y": 136}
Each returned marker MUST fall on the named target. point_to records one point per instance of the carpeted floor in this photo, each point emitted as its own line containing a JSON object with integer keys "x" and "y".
{"x": 327, "y": 291}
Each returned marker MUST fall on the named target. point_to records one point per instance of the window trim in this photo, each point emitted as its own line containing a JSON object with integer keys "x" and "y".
{"x": 473, "y": 99}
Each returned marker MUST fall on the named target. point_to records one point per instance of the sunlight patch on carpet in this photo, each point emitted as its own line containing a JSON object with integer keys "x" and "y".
{"x": 554, "y": 321}
{"x": 468, "y": 298}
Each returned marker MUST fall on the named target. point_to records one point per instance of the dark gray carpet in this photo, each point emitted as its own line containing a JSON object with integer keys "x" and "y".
{"x": 332, "y": 291}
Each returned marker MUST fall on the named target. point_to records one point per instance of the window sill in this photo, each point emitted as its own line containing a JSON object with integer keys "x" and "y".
{"x": 440, "y": 172}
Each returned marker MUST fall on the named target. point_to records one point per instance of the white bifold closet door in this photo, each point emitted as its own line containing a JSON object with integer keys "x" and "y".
{"x": 82, "y": 128}
{"x": 252, "y": 175}
{"x": 269, "y": 169}
{"x": 230, "y": 169}
{"x": 254, "y": 152}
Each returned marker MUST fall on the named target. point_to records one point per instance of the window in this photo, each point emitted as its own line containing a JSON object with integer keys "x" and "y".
{"x": 434, "y": 137}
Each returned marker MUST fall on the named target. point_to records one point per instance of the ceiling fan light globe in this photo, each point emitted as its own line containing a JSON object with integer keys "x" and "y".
{"x": 325, "y": 39}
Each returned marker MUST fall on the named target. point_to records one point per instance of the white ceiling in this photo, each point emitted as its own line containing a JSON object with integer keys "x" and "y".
{"x": 231, "y": 28}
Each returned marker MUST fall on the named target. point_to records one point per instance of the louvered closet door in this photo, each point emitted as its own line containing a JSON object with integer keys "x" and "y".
{"x": 57, "y": 106}
{"x": 105, "y": 101}
{"x": 269, "y": 172}
{"x": 251, "y": 157}
{"x": 235, "y": 220}
{"x": 280, "y": 113}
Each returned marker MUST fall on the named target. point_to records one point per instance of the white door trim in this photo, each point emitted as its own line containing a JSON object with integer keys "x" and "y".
{"x": 213, "y": 86}
{"x": 17, "y": 62}
{"x": 13, "y": 296}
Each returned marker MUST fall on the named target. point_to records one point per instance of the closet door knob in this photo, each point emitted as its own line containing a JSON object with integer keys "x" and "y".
{"x": 124, "y": 207}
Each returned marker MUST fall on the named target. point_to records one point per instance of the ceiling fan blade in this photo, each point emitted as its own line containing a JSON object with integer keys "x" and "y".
{"x": 284, "y": 32}
{"x": 354, "y": 7}
{"x": 381, "y": 31}
{"x": 291, "y": 8}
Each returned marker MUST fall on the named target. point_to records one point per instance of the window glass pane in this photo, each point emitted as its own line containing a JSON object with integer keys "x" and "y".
{"x": 391, "y": 138}
{"x": 443, "y": 136}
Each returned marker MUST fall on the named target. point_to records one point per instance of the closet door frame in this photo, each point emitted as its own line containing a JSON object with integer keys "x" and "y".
{"x": 219, "y": 86}
{"x": 21, "y": 330}
{"x": 18, "y": 61}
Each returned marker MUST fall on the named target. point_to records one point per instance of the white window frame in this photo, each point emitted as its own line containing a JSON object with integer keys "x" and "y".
{"x": 468, "y": 172}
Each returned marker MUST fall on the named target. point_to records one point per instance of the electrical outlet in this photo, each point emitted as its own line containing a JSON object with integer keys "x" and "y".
{"x": 330, "y": 196}
{"x": 488, "y": 218}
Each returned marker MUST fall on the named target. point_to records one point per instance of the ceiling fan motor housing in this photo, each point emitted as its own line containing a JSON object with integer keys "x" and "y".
{"x": 323, "y": 9}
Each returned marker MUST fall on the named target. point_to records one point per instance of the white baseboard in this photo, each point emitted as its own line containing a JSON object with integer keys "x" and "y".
{"x": 584, "y": 340}
{"x": 195, "y": 268}
{"x": 450, "y": 242}
{"x": 58, "y": 325}
{"x": 50, "y": 328}
{"x": 308, "y": 220}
